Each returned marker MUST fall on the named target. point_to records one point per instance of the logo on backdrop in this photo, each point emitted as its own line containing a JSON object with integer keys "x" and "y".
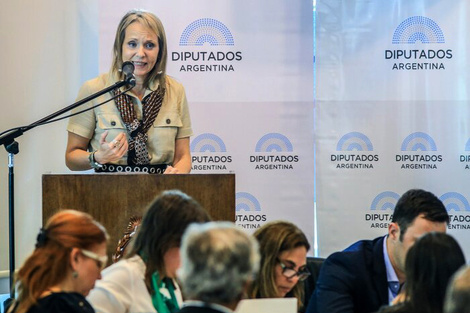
{"x": 208, "y": 153}
{"x": 206, "y": 45}
{"x": 382, "y": 206}
{"x": 248, "y": 211}
{"x": 465, "y": 157}
{"x": 419, "y": 152}
{"x": 354, "y": 151}
{"x": 420, "y": 45}
{"x": 274, "y": 152}
{"x": 458, "y": 208}
{"x": 381, "y": 209}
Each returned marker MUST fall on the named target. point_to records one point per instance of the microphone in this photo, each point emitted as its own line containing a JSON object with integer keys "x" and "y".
{"x": 128, "y": 71}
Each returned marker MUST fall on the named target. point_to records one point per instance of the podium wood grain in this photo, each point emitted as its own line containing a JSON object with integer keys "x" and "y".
{"x": 113, "y": 198}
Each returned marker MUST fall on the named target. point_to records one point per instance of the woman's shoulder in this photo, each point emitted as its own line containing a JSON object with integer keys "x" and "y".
{"x": 63, "y": 302}
{"x": 126, "y": 269}
{"x": 173, "y": 84}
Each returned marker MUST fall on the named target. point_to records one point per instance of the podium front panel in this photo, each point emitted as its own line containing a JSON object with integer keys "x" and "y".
{"x": 113, "y": 198}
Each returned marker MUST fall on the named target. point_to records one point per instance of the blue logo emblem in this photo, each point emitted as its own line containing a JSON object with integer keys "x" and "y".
{"x": 206, "y": 30}
{"x": 354, "y": 141}
{"x": 246, "y": 202}
{"x": 418, "y": 142}
{"x": 274, "y": 142}
{"x": 207, "y": 142}
{"x": 455, "y": 201}
{"x": 418, "y": 28}
{"x": 386, "y": 200}
{"x": 467, "y": 145}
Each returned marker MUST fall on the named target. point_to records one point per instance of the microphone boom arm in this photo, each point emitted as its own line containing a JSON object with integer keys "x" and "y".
{"x": 10, "y": 137}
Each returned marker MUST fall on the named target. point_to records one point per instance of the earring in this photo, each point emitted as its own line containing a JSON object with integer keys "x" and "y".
{"x": 75, "y": 274}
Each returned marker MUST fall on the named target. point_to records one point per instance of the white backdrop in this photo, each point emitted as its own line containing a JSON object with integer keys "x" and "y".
{"x": 391, "y": 113}
{"x": 51, "y": 48}
{"x": 252, "y": 113}
{"x": 263, "y": 108}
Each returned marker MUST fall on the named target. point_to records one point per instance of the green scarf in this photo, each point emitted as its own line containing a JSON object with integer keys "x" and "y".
{"x": 160, "y": 301}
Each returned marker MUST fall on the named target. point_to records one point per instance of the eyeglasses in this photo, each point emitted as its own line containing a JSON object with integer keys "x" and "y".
{"x": 289, "y": 272}
{"x": 101, "y": 260}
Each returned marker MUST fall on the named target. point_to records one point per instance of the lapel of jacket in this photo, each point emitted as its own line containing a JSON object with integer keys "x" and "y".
{"x": 379, "y": 270}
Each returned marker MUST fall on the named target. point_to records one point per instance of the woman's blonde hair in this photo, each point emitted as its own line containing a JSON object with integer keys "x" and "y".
{"x": 275, "y": 238}
{"x": 149, "y": 20}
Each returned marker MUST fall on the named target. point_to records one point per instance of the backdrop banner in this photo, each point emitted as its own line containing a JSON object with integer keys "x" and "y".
{"x": 247, "y": 68}
{"x": 391, "y": 114}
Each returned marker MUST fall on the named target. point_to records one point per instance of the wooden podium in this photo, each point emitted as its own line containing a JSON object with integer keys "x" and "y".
{"x": 113, "y": 198}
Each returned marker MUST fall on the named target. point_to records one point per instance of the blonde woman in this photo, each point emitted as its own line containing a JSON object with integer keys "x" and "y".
{"x": 146, "y": 129}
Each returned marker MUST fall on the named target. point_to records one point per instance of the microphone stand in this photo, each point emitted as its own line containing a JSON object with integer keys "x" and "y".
{"x": 12, "y": 147}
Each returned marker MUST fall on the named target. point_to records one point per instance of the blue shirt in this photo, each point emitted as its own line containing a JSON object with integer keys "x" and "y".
{"x": 392, "y": 278}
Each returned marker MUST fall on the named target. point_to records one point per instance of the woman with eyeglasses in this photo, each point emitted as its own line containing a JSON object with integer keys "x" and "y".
{"x": 283, "y": 248}
{"x": 69, "y": 256}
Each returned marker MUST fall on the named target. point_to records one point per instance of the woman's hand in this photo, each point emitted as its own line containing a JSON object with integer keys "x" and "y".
{"x": 110, "y": 152}
{"x": 171, "y": 170}
{"x": 76, "y": 155}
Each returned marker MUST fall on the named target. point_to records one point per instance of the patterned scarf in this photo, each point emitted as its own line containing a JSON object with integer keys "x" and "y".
{"x": 151, "y": 104}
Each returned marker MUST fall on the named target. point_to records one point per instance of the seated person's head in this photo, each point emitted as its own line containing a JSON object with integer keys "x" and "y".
{"x": 159, "y": 236}
{"x": 430, "y": 264}
{"x": 283, "y": 249}
{"x": 218, "y": 261}
{"x": 458, "y": 292}
{"x": 417, "y": 212}
{"x": 69, "y": 256}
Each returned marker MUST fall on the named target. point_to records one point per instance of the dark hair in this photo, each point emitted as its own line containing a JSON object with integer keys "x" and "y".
{"x": 275, "y": 238}
{"x": 49, "y": 263}
{"x": 162, "y": 228}
{"x": 430, "y": 263}
{"x": 416, "y": 202}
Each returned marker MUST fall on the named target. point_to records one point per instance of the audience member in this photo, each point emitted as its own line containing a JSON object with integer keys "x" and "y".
{"x": 218, "y": 260}
{"x": 430, "y": 263}
{"x": 283, "y": 249}
{"x": 458, "y": 292}
{"x": 370, "y": 273}
{"x": 69, "y": 256}
{"x": 144, "y": 280}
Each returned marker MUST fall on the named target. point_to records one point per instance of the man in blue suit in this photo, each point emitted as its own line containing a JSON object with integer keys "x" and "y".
{"x": 370, "y": 273}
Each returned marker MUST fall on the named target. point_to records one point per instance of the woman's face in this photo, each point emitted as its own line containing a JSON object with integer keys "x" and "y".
{"x": 88, "y": 269}
{"x": 296, "y": 259}
{"x": 140, "y": 46}
{"x": 172, "y": 261}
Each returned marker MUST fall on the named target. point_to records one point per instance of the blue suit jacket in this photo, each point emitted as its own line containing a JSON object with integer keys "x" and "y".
{"x": 354, "y": 280}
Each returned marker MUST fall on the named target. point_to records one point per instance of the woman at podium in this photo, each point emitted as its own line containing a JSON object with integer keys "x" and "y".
{"x": 146, "y": 129}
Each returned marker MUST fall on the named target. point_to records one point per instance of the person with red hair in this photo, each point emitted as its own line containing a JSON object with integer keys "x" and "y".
{"x": 69, "y": 256}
